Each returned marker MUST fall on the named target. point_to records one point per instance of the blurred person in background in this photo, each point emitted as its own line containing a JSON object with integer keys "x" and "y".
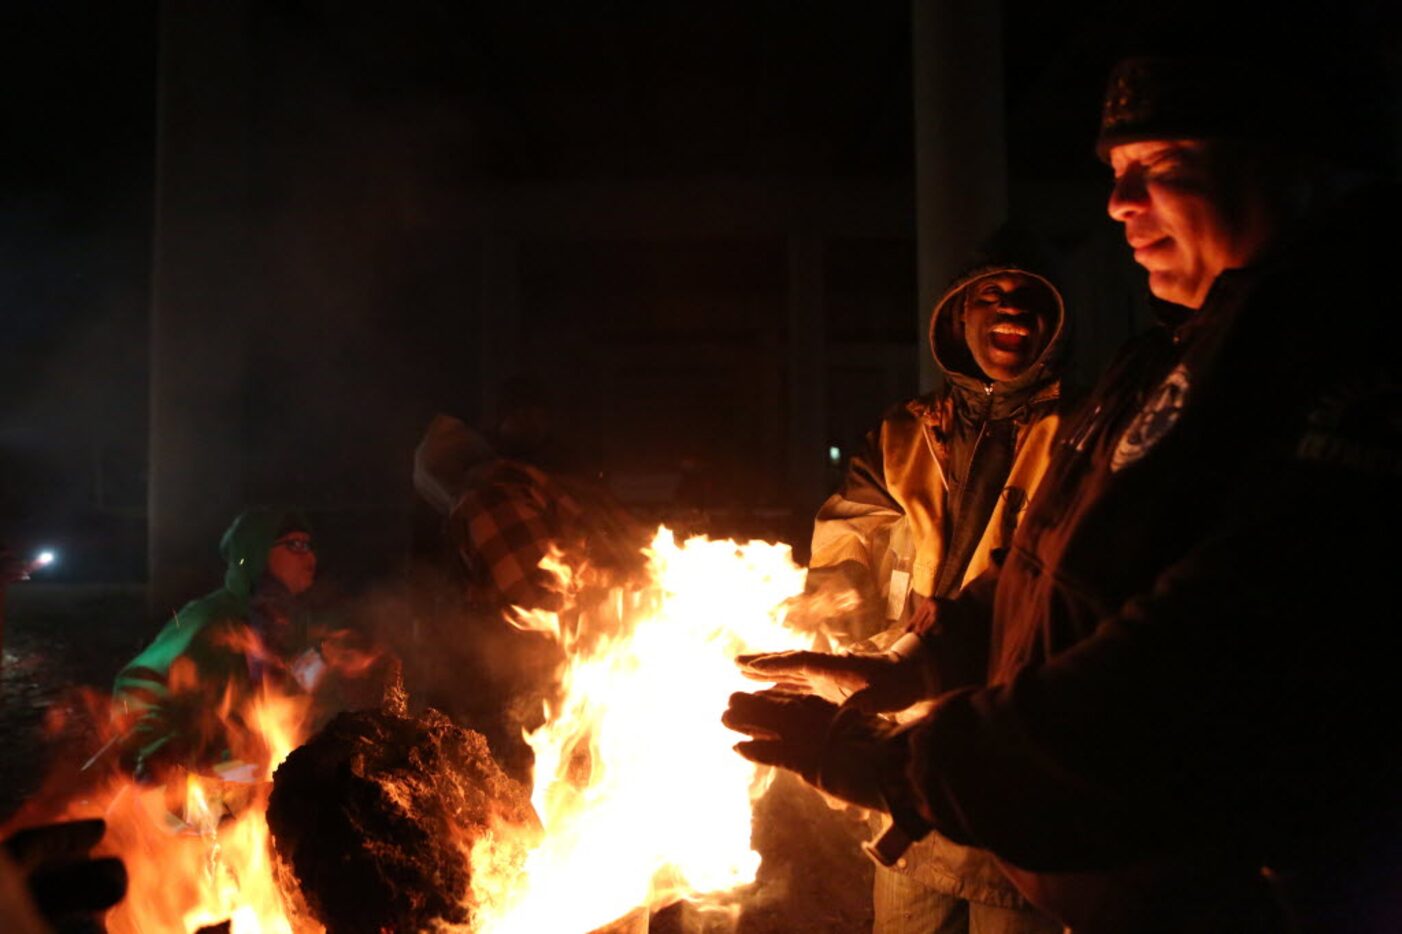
{"x": 500, "y": 515}
{"x": 248, "y": 633}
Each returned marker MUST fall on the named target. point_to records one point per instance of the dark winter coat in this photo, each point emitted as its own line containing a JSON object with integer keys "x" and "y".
{"x": 1195, "y": 624}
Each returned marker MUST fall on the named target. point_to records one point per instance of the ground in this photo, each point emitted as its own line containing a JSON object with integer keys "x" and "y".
{"x": 58, "y": 638}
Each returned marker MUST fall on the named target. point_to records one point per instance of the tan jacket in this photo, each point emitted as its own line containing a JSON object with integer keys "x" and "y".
{"x": 890, "y": 515}
{"x": 888, "y": 529}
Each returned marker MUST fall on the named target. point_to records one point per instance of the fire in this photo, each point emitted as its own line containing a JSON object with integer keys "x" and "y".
{"x": 641, "y": 798}
{"x": 197, "y": 851}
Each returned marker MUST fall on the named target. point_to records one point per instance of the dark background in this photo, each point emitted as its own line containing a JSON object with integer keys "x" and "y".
{"x": 250, "y": 248}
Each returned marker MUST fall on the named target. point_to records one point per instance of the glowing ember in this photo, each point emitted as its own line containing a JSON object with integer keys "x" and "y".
{"x": 642, "y": 800}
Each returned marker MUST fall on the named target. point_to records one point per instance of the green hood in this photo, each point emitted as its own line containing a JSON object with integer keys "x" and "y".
{"x": 141, "y": 688}
{"x": 244, "y": 545}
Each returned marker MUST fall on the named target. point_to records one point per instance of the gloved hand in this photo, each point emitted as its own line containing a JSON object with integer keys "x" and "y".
{"x": 868, "y": 682}
{"x": 70, "y": 888}
{"x": 840, "y": 751}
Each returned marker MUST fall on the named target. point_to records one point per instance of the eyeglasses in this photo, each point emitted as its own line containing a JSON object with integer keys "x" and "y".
{"x": 298, "y": 546}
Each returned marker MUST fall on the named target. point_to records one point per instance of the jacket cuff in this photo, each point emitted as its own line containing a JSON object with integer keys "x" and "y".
{"x": 899, "y": 795}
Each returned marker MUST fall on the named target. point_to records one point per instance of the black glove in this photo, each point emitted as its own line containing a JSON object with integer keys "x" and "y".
{"x": 70, "y": 888}
{"x": 840, "y": 751}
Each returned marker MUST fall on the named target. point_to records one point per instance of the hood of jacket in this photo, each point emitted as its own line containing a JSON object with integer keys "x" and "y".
{"x": 969, "y": 385}
{"x": 244, "y": 546}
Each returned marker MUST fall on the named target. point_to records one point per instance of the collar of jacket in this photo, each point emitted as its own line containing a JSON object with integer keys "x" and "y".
{"x": 935, "y": 412}
{"x": 977, "y": 401}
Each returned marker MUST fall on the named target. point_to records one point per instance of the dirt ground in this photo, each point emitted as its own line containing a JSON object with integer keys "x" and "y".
{"x": 58, "y": 638}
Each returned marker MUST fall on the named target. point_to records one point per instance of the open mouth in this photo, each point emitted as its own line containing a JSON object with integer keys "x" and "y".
{"x": 1010, "y": 338}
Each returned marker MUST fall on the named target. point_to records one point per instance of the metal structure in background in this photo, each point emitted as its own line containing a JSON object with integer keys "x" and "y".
{"x": 961, "y": 177}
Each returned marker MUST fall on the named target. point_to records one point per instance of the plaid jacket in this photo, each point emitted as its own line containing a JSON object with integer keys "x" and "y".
{"x": 505, "y": 524}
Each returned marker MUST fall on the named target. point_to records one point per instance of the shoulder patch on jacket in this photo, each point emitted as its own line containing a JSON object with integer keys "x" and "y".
{"x": 1356, "y": 425}
{"x": 1158, "y": 416}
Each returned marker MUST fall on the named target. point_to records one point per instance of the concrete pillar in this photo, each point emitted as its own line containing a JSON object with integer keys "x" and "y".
{"x": 807, "y": 390}
{"x": 960, "y": 152}
{"x": 500, "y": 351}
{"x": 203, "y": 290}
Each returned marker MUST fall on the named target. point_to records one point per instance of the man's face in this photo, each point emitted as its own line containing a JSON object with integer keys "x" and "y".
{"x": 1186, "y": 215}
{"x": 292, "y": 561}
{"x": 1007, "y": 323}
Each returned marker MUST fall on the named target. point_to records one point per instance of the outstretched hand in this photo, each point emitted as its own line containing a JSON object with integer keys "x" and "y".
{"x": 787, "y": 730}
{"x": 871, "y": 683}
{"x": 833, "y": 677}
{"x": 834, "y": 749}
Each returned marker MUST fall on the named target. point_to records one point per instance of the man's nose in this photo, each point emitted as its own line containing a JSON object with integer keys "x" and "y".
{"x": 1128, "y": 197}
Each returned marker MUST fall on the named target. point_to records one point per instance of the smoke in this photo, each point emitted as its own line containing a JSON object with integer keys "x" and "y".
{"x": 472, "y": 664}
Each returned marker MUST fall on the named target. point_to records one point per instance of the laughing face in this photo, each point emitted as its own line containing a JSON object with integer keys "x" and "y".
{"x": 1008, "y": 320}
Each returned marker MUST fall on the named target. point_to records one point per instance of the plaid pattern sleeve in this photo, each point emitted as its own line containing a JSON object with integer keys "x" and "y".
{"x": 507, "y": 524}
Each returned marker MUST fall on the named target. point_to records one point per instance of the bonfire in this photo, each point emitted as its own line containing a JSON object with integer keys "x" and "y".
{"x": 637, "y": 800}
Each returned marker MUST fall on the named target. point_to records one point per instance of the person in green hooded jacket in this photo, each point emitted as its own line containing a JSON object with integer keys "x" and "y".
{"x": 218, "y": 649}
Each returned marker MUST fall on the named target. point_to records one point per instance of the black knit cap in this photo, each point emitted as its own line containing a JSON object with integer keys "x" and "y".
{"x": 1309, "y": 85}
{"x": 1184, "y": 98}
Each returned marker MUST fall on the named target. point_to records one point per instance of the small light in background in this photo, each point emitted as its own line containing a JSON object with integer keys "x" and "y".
{"x": 42, "y": 559}
{"x": 834, "y": 455}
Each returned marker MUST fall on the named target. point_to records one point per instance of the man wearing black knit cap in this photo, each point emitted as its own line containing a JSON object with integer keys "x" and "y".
{"x": 1191, "y": 632}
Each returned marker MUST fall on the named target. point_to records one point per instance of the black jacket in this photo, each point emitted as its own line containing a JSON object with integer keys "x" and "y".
{"x": 1194, "y": 624}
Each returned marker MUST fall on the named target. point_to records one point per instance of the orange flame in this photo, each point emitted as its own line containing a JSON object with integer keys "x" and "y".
{"x": 641, "y": 798}
{"x": 207, "y": 859}
{"x": 196, "y": 849}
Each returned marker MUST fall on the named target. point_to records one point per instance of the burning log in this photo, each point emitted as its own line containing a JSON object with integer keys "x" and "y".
{"x": 376, "y": 815}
